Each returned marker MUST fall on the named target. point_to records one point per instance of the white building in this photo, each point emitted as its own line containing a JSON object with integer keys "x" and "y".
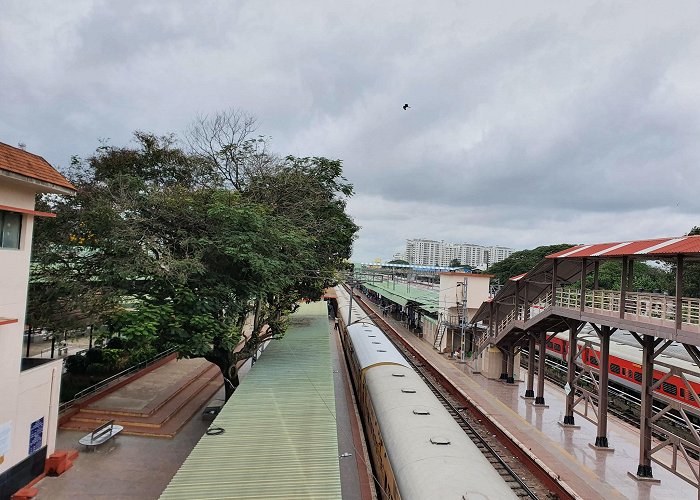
{"x": 424, "y": 252}
{"x": 399, "y": 256}
{"x": 29, "y": 387}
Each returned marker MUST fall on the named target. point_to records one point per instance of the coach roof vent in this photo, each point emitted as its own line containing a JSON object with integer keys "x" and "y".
{"x": 408, "y": 391}
{"x": 439, "y": 440}
{"x": 398, "y": 375}
{"x": 421, "y": 411}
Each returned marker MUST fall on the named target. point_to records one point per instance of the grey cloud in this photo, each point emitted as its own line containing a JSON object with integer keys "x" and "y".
{"x": 531, "y": 123}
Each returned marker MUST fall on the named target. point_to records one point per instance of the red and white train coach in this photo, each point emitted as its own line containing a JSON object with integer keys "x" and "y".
{"x": 625, "y": 366}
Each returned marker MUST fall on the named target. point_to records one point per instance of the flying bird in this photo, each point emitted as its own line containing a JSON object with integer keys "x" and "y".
{"x": 405, "y": 107}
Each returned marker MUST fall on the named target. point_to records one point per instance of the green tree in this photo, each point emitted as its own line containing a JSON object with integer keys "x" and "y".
{"x": 399, "y": 261}
{"x": 522, "y": 261}
{"x": 455, "y": 263}
{"x": 168, "y": 258}
{"x": 691, "y": 272}
{"x": 312, "y": 194}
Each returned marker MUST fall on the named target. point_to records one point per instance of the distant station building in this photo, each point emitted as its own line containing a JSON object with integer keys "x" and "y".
{"x": 424, "y": 252}
{"x": 436, "y": 302}
{"x": 29, "y": 387}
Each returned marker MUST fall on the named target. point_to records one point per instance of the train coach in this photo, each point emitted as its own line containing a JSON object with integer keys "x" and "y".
{"x": 417, "y": 449}
{"x": 625, "y": 368}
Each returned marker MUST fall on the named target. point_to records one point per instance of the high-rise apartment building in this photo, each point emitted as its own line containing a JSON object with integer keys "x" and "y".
{"x": 422, "y": 252}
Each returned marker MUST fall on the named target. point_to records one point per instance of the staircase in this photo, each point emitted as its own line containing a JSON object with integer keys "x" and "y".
{"x": 442, "y": 328}
{"x": 161, "y": 415}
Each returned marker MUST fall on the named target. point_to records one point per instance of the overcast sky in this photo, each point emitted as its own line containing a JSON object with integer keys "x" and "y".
{"x": 531, "y": 123}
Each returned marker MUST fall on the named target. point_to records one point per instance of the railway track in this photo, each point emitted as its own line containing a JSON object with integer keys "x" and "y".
{"x": 520, "y": 477}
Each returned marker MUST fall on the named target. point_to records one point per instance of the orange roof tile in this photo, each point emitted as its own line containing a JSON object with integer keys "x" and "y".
{"x": 21, "y": 162}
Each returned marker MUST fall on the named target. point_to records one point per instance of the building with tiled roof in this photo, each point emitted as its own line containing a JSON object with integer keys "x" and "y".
{"x": 16, "y": 163}
{"x": 29, "y": 390}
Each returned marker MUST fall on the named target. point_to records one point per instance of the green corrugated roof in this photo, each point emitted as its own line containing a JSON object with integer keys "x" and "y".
{"x": 402, "y": 294}
{"x": 280, "y": 439}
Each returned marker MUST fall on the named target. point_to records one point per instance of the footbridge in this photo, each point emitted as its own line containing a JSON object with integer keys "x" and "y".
{"x": 561, "y": 294}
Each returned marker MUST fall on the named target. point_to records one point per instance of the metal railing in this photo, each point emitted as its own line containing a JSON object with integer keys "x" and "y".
{"x": 651, "y": 307}
{"x": 103, "y": 383}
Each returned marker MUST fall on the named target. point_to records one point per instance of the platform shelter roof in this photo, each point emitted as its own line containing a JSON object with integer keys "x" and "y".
{"x": 660, "y": 248}
{"x": 569, "y": 262}
{"x": 403, "y": 294}
{"x": 280, "y": 435}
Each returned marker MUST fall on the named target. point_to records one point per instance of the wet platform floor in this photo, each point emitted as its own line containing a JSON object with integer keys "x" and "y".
{"x": 591, "y": 473}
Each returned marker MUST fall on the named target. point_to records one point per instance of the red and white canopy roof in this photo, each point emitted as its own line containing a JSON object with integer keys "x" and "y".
{"x": 661, "y": 247}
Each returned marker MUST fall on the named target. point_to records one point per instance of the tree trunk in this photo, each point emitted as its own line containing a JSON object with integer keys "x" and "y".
{"x": 225, "y": 361}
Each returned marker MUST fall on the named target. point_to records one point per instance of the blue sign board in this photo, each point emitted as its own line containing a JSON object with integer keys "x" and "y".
{"x": 36, "y": 434}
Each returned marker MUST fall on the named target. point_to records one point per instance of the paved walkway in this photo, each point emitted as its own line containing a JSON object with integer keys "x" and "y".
{"x": 128, "y": 467}
{"x": 592, "y": 474}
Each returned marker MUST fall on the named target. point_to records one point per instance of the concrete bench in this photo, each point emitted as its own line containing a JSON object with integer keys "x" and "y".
{"x": 102, "y": 434}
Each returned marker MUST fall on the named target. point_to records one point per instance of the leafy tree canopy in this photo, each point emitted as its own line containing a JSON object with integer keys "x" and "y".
{"x": 522, "y": 261}
{"x": 158, "y": 248}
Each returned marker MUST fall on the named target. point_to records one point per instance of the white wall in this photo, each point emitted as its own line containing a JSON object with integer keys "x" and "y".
{"x": 30, "y": 395}
{"x": 450, "y": 293}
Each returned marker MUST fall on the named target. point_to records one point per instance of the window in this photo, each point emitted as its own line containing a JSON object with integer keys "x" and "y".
{"x": 10, "y": 226}
{"x": 669, "y": 388}
{"x": 557, "y": 347}
{"x": 682, "y": 392}
{"x": 638, "y": 377}
{"x": 593, "y": 360}
{"x": 615, "y": 368}
{"x": 624, "y": 372}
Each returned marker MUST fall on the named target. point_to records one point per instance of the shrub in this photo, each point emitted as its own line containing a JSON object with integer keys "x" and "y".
{"x": 110, "y": 357}
{"x": 115, "y": 343}
{"x": 76, "y": 363}
{"x": 94, "y": 355}
{"x": 95, "y": 368}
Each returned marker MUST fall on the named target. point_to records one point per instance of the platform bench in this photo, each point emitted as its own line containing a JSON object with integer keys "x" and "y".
{"x": 102, "y": 434}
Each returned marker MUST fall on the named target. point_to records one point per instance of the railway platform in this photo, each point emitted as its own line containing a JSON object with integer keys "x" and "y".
{"x": 590, "y": 473}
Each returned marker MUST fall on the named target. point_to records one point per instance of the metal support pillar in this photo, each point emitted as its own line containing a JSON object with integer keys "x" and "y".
{"x": 530, "y": 392}
{"x": 570, "y": 376}
{"x": 504, "y": 363}
{"x": 510, "y": 379}
{"x": 644, "y": 468}
{"x": 583, "y": 284}
{"x": 601, "y": 440}
{"x": 539, "y": 399}
{"x": 623, "y": 286}
{"x": 679, "y": 292}
{"x": 29, "y": 340}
